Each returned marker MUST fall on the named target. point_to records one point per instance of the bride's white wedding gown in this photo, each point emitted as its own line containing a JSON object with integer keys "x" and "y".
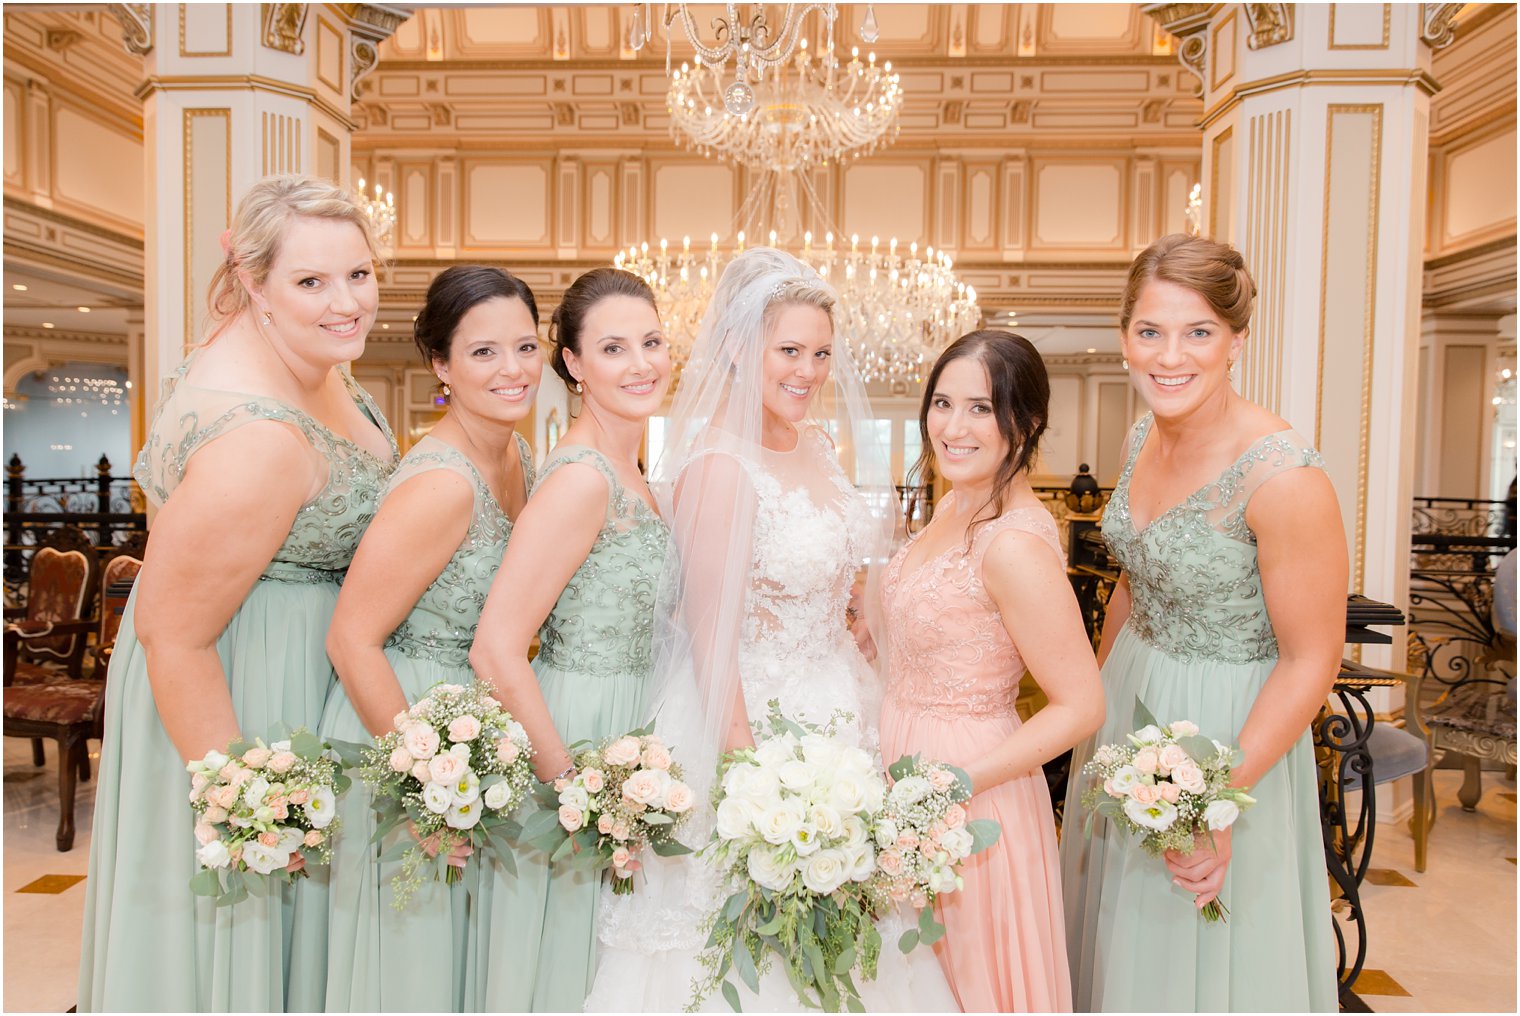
{"x": 810, "y": 529}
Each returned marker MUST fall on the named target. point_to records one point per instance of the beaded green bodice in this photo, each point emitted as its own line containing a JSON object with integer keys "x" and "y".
{"x": 1195, "y": 587}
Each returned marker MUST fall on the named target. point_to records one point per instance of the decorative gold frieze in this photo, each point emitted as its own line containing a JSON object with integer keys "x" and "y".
{"x": 285, "y": 27}
{"x": 1270, "y": 24}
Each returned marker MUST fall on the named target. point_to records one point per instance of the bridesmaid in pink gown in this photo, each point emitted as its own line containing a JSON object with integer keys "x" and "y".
{"x": 980, "y": 592}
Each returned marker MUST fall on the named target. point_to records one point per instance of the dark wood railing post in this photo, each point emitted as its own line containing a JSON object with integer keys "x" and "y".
{"x": 103, "y": 499}
{"x": 15, "y": 476}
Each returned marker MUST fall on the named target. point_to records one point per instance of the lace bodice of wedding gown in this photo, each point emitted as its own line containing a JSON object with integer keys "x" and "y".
{"x": 948, "y": 651}
{"x": 812, "y": 531}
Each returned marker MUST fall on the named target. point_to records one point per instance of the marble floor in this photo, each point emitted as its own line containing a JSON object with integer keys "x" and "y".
{"x": 1441, "y": 941}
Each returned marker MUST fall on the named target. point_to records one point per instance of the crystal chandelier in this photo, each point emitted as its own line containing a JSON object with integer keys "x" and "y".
{"x": 896, "y": 311}
{"x": 813, "y": 113}
{"x": 381, "y": 210}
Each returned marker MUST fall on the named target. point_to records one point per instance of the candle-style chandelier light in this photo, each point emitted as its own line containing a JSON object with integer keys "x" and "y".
{"x": 381, "y": 210}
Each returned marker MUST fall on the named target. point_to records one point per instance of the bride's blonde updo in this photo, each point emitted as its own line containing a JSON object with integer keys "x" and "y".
{"x": 263, "y": 218}
{"x": 1213, "y": 270}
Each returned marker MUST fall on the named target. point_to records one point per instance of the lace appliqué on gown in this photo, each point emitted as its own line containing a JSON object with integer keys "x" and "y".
{"x": 1195, "y": 585}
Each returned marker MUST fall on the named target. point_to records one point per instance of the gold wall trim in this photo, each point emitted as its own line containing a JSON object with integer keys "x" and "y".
{"x": 1387, "y": 19}
{"x": 188, "y": 197}
{"x": 249, "y": 82}
{"x": 1295, "y": 79}
{"x": 208, "y": 53}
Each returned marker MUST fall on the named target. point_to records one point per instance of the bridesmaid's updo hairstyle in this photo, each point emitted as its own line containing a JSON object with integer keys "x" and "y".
{"x": 584, "y": 293}
{"x": 453, "y": 294}
{"x": 263, "y": 218}
{"x": 1213, "y": 270}
{"x": 1020, "y": 404}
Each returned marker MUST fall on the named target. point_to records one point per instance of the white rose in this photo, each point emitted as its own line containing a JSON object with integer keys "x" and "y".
{"x": 767, "y": 871}
{"x": 827, "y": 821}
{"x": 1158, "y": 815}
{"x": 466, "y": 789}
{"x": 861, "y": 860}
{"x": 253, "y": 794}
{"x": 855, "y": 832}
{"x": 774, "y": 752}
{"x": 778, "y": 822}
{"x": 421, "y": 741}
{"x": 822, "y": 752}
{"x": 497, "y": 795}
{"x": 437, "y": 798}
{"x": 796, "y": 774}
{"x": 264, "y": 859}
{"x": 1184, "y": 728}
{"x": 462, "y": 816}
{"x": 848, "y": 793}
{"x": 751, "y": 783}
{"x": 1221, "y": 814}
{"x": 910, "y": 790}
{"x": 957, "y": 843}
{"x": 941, "y": 879}
{"x": 735, "y": 818}
{"x": 825, "y": 871}
{"x": 575, "y": 795}
{"x": 213, "y": 855}
{"x": 1148, "y": 734}
{"x": 886, "y": 833}
{"x": 321, "y": 808}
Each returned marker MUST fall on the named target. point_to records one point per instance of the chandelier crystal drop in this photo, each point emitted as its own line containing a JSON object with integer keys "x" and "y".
{"x": 381, "y": 210}
{"x": 811, "y": 112}
{"x": 896, "y": 310}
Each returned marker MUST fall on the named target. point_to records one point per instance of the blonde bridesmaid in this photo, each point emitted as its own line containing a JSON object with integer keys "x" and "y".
{"x": 976, "y": 596}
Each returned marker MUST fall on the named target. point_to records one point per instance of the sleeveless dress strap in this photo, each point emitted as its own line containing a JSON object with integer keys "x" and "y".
{"x": 1035, "y": 521}
{"x": 525, "y": 458}
{"x": 564, "y": 454}
{"x": 1225, "y": 502}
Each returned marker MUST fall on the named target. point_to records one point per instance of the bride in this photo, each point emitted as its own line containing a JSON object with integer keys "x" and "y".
{"x": 770, "y": 534}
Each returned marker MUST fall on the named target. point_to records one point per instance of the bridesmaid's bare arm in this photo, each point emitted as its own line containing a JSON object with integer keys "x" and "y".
{"x": 550, "y": 540}
{"x": 1115, "y": 613}
{"x": 219, "y": 530}
{"x": 406, "y": 547}
{"x": 1028, "y": 583}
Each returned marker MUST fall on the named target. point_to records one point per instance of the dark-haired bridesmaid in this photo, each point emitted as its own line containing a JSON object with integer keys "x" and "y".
{"x": 406, "y": 619}
{"x": 581, "y": 573}
{"x": 979, "y": 595}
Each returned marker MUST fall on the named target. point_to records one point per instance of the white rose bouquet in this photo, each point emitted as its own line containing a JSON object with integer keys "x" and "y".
{"x": 922, "y": 836}
{"x": 1168, "y": 783}
{"x": 626, "y": 795}
{"x": 793, "y": 834}
{"x": 454, "y": 768}
{"x": 262, "y": 809}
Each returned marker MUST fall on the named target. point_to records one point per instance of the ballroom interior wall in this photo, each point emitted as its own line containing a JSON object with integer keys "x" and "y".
{"x": 1042, "y": 145}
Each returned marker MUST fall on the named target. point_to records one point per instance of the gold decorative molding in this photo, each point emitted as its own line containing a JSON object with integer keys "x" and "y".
{"x": 368, "y": 26}
{"x": 1270, "y": 24}
{"x": 1436, "y": 27}
{"x": 284, "y": 27}
{"x": 1417, "y": 77}
{"x": 1330, "y": 42}
{"x": 136, "y": 26}
{"x": 1189, "y": 23}
{"x": 251, "y": 82}
{"x": 225, "y": 51}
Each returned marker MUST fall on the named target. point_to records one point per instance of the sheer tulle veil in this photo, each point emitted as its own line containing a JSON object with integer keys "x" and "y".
{"x": 704, "y": 494}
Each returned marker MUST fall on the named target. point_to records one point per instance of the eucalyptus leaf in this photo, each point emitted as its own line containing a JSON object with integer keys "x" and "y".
{"x": 909, "y": 940}
{"x": 350, "y": 753}
{"x": 744, "y": 965}
{"x": 658, "y": 818}
{"x": 206, "y": 882}
{"x": 731, "y": 996}
{"x": 735, "y": 906}
{"x": 902, "y": 767}
{"x": 306, "y": 744}
{"x": 984, "y": 833}
{"x": 1143, "y": 716}
{"x": 669, "y": 848}
{"x": 844, "y": 961}
{"x": 933, "y": 933}
{"x": 1199, "y": 748}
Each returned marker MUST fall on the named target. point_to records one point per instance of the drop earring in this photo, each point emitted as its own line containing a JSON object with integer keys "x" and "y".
{"x": 1125, "y": 363}
{"x": 1230, "y": 371}
{"x": 446, "y": 390}
{"x": 268, "y": 318}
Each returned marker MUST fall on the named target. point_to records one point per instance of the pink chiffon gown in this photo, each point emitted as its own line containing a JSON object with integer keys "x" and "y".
{"x": 954, "y": 676}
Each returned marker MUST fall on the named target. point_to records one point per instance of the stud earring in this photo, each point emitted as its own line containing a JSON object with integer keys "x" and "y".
{"x": 579, "y": 387}
{"x": 446, "y": 390}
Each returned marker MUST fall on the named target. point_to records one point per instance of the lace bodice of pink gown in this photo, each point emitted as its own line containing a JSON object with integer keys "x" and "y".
{"x": 954, "y": 675}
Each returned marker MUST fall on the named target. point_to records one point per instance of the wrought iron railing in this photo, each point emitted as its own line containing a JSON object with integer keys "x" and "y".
{"x": 107, "y": 507}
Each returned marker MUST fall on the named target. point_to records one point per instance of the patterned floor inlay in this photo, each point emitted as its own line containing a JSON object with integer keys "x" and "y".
{"x": 1377, "y": 982}
{"x": 1387, "y": 876}
{"x": 51, "y": 884}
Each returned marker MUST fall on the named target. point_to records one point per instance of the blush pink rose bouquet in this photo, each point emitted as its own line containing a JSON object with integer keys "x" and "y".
{"x": 625, "y": 797}
{"x": 454, "y": 769}
{"x": 262, "y": 811}
{"x": 922, "y": 835}
{"x": 1168, "y": 783}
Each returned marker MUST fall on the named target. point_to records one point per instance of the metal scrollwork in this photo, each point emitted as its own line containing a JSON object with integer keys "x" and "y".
{"x": 136, "y": 26}
{"x": 1340, "y": 741}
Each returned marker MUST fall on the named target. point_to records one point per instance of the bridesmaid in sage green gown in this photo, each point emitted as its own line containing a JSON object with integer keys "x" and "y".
{"x": 1231, "y": 614}
{"x": 584, "y": 564}
{"x": 265, "y": 460}
{"x": 406, "y": 619}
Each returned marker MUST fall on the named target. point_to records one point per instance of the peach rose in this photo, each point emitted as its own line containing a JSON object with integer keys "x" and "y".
{"x": 620, "y": 830}
{"x": 1172, "y": 756}
{"x": 1189, "y": 777}
{"x": 571, "y": 818}
{"x": 204, "y": 833}
{"x": 228, "y": 771}
{"x": 907, "y": 840}
{"x": 213, "y": 815}
{"x": 401, "y": 759}
{"x": 257, "y": 758}
{"x": 941, "y": 779}
{"x": 223, "y": 797}
{"x": 420, "y": 772}
{"x": 622, "y": 752}
{"x": 269, "y": 839}
{"x": 604, "y": 823}
{"x": 446, "y": 768}
{"x": 656, "y": 756}
{"x": 313, "y": 838}
{"x": 1147, "y": 761}
{"x": 507, "y": 751}
{"x": 678, "y": 798}
{"x": 621, "y": 857}
{"x": 1169, "y": 792}
{"x": 890, "y": 861}
{"x": 1183, "y": 728}
{"x": 282, "y": 762}
{"x": 593, "y": 781}
{"x": 464, "y": 728}
{"x": 1145, "y": 793}
{"x": 299, "y": 796}
{"x": 955, "y": 817}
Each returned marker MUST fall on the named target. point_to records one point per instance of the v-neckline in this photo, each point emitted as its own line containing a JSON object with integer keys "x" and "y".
{"x": 522, "y": 464}
{"x": 1129, "y": 511}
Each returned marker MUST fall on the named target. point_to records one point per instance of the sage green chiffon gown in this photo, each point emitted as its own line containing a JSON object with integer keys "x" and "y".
{"x": 149, "y": 944}
{"x": 534, "y": 944}
{"x": 376, "y": 954}
{"x": 1199, "y": 646}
